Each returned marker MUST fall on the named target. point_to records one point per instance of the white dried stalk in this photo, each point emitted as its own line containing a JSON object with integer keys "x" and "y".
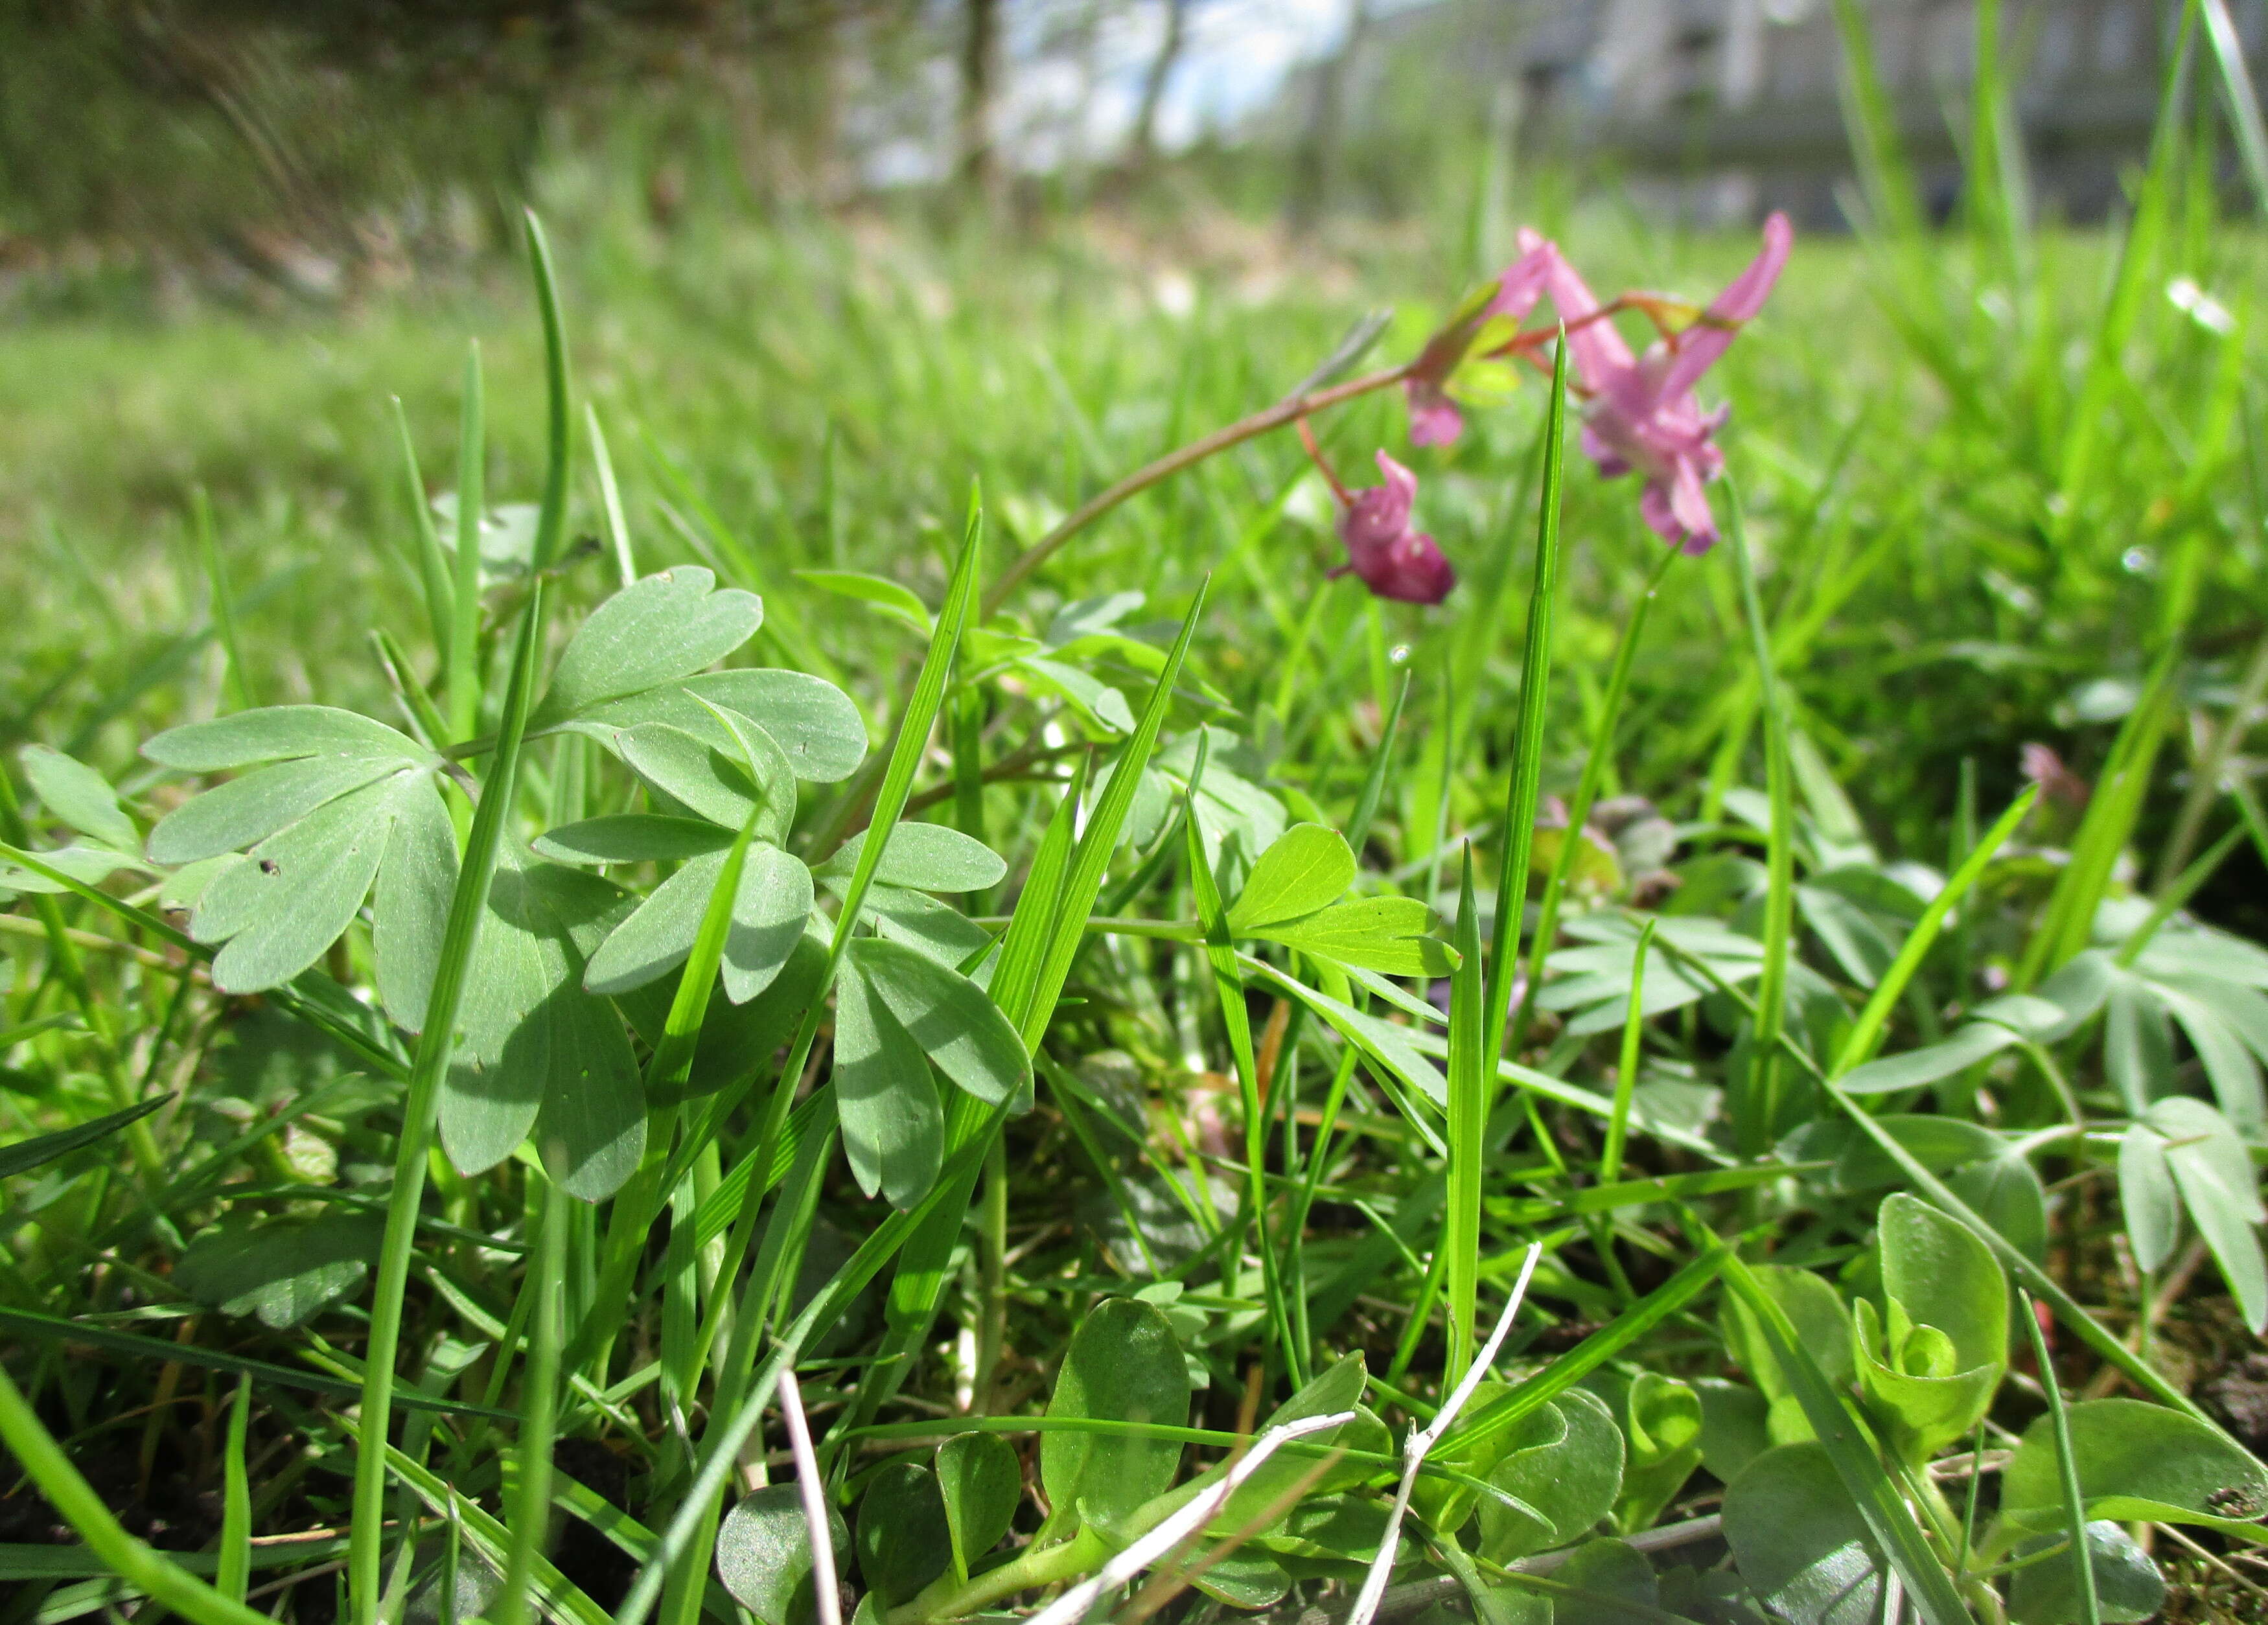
{"x": 1193, "y": 1515}
{"x": 1423, "y": 1439}
{"x": 828, "y": 1594}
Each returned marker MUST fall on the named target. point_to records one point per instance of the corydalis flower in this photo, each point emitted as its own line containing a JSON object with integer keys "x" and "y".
{"x": 1393, "y": 560}
{"x": 1643, "y": 414}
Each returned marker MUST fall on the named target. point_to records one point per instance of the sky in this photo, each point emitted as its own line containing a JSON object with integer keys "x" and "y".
{"x": 1060, "y": 106}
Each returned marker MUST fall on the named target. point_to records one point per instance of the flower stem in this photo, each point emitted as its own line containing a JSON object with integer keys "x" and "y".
{"x": 1173, "y": 462}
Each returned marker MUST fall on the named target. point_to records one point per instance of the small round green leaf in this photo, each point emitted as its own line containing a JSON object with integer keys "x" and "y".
{"x": 2137, "y": 1462}
{"x": 980, "y": 1481}
{"x": 904, "y": 1539}
{"x": 1800, "y": 1540}
{"x": 1571, "y": 1482}
{"x": 1124, "y": 1364}
{"x": 2127, "y": 1584}
{"x": 763, "y": 1555}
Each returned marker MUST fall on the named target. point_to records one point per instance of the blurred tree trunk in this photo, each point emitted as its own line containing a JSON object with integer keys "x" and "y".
{"x": 1313, "y": 164}
{"x": 980, "y": 73}
{"x": 1144, "y": 147}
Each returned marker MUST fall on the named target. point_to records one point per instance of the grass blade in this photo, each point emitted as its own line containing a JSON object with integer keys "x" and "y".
{"x": 26, "y": 1155}
{"x": 1611, "y": 1155}
{"x": 529, "y": 1522}
{"x": 460, "y": 657}
{"x": 1884, "y": 170}
{"x": 437, "y": 1043}
{"x": 618, "y": 531}
{"x": 1600, "y": 752}
{"x": 2243, "y": 102}
{"x": 923, "y": 705}
{"x": 1382, "y": 763}
{"x": 1470, "y": 1086}
{"x": 2075, "y": 1504}
{"x": 433, "y": 563}
{"x": 31, "y": 1323}
{"x": 2068, "y": 922}
{"x": 223, "y": 600}
{"x": 1866, "y": 1032}
{"x": 87, "y": 1513}
{"x": 236, "y": 1500}
{"x": 1525, "y": 784}
{"x": 1757, "y": 1113}
{"x": 1221, "y": 955}
{"x": 1029, "y": 1004}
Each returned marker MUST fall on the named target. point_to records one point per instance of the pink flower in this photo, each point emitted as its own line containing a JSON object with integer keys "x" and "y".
{"x": 1393, "y": 560}
{"x": 1643, "y": 415}
{"x": 1434, "y": 419}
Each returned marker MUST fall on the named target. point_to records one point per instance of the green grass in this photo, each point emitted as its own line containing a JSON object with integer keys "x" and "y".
{"x": 1996, "y": 487}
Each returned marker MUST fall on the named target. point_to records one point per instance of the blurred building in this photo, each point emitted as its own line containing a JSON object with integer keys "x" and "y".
{"x": 1721, "y": 108}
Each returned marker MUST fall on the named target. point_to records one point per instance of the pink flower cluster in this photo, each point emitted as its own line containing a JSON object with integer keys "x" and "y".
{"x": 1641, "y": 415}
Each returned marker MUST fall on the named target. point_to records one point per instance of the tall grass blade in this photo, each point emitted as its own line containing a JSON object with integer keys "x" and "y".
{"x": 2137, "y": 254}
{"x": 1610, "y": 1154}
{"x": 462, "y": 653}
{"x": 2243, "y": 101}
{"x": 1469, "y": 1084}
{"x": 223, "y": 600}
{"x": 1221, "y": 955}
{"x": 1381, "y": 764}
{"x": 1757, "y": 1116}
{"x": 618, "y": 530}
{"x": 927, "y": 699}
{"x": 2075, "y": 1504}
{"x": 433, "y": 568}
{"x": 1595, "y": 759}
{"x": 1866, "y": 1032}
{"x": 234, "y": 1573}
{"x": 1525, "y": 787}
{"x": 2068, "y": 922}
{"x": 1029, "y": 1004}
{"x": 1885, "y": 171}
{"x": 531, "y": 1503}
{"x": 437, "y": 1043}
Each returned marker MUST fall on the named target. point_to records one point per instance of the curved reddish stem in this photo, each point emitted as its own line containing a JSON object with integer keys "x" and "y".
{"x": 1316, "y": 456}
